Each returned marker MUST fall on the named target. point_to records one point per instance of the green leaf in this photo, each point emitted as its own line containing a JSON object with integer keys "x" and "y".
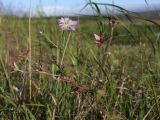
{"x": 29, "y": 115}
{"x": 8, "y": 100}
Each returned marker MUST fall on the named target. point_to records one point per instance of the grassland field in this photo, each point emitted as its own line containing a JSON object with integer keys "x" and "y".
{"x": 123, "y": 87}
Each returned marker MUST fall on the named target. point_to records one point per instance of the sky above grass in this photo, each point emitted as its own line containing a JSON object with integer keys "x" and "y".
{"x": 70, "y": 7}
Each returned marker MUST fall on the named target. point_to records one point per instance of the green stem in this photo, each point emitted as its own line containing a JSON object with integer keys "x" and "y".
{"x": 110, "y": 40}
{"x": 7, "y": 77}
{"x": 30, "y": 50}
{"x": 65, "y": 48}
{"x": 155, "y": 97}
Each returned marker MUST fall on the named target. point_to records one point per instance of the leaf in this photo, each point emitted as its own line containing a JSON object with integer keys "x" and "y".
{"x": 7, "y": 77}
{"x": 146, "y": 2}
{"x": 127, "y": 13}
{"x": 28, "y": 113}
{"x": 8, "y": 100}
{"x": 16, "y": 67}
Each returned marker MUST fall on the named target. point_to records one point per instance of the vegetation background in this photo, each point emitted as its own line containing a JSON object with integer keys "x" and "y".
{"x": 92, "y": 83}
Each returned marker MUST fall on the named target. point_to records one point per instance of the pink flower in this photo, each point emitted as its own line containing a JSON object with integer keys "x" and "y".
{"x": 102, "y": 110}
{"x": 66, "y": 23}
{"x": 113, "y": 22}
{"x": 99, "y": 39}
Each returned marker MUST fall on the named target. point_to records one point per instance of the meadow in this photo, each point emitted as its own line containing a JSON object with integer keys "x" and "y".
{"x": 114, "y": 79}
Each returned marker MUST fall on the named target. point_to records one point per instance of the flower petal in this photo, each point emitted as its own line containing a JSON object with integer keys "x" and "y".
{"x": 97, "y": 37}
{"x": 74, "y": 23}
{"x": 63, "y": 27}
{"x": 67, "y": 24}
{"x": 58, "y": 21}
{"x": 72, "y": 28}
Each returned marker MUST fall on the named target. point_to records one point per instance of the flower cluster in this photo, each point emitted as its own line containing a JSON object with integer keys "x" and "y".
{"x": 99, "y": 39}
{"x": 66, "y": 23}
{"x": 113, "y": 22}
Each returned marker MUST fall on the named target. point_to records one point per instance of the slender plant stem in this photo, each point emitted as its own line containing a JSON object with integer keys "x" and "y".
{"x": 112, "y": 30}
{"x": 110, "y": 40}
{"x": 58, "y": 60}
{"x": 30, "y": 50}
{"x": 65, "y": 48}
{"x": 120, "y": 92}
{"x": 0, "y": 20}
{"x": 7, "y": 77}
{"x": 149, "y": 112}
{"x": 155, "y": 97}
{"x": 107, "y": 46}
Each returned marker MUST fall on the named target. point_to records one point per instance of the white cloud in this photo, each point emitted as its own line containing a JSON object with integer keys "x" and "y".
{"x": 59, "y": 10}
{"x": 65, "y": 10}
{"x": 62, "y": 10}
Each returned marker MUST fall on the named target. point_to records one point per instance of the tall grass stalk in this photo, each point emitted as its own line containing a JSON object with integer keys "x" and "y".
{"x": 0, "y": 20}
{"x": 30, "y": 50}
{"x": 110, "y": 40}
{"x": 10, "y": 87}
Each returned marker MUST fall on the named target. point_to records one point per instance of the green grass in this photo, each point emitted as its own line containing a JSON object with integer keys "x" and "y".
{"x": 124, "y": 86}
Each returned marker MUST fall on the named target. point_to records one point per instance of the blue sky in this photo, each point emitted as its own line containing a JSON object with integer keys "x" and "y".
{"x": 62, "y": 7}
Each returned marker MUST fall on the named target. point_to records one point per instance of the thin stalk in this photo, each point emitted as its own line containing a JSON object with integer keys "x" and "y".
{"x": 58, "y": 51}
{"x": 110, "y": 40}
{"x": 107, "y": 46}
{"x": 153, "y": 90}
{"x": 30, "y": 51}
{"x": 120, "y": 93}
{"x": 65, "y": 48}
{"x": 155, "y": 96}
{"x": 0, "y": 20}
{"x": 40, "y": 52}
{"x": 111, "y": 35}
{"x": 149, "y": 112}
{"x": 7, "y": 77}
{"x": 104, "y": 57}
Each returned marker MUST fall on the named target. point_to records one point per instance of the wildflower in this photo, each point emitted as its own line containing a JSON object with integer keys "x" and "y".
{"x": 102, "y": 110}
{"x": 99, "y": 39}
{"x": 67, "y": 24}
{"x": 112, "y": 22}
